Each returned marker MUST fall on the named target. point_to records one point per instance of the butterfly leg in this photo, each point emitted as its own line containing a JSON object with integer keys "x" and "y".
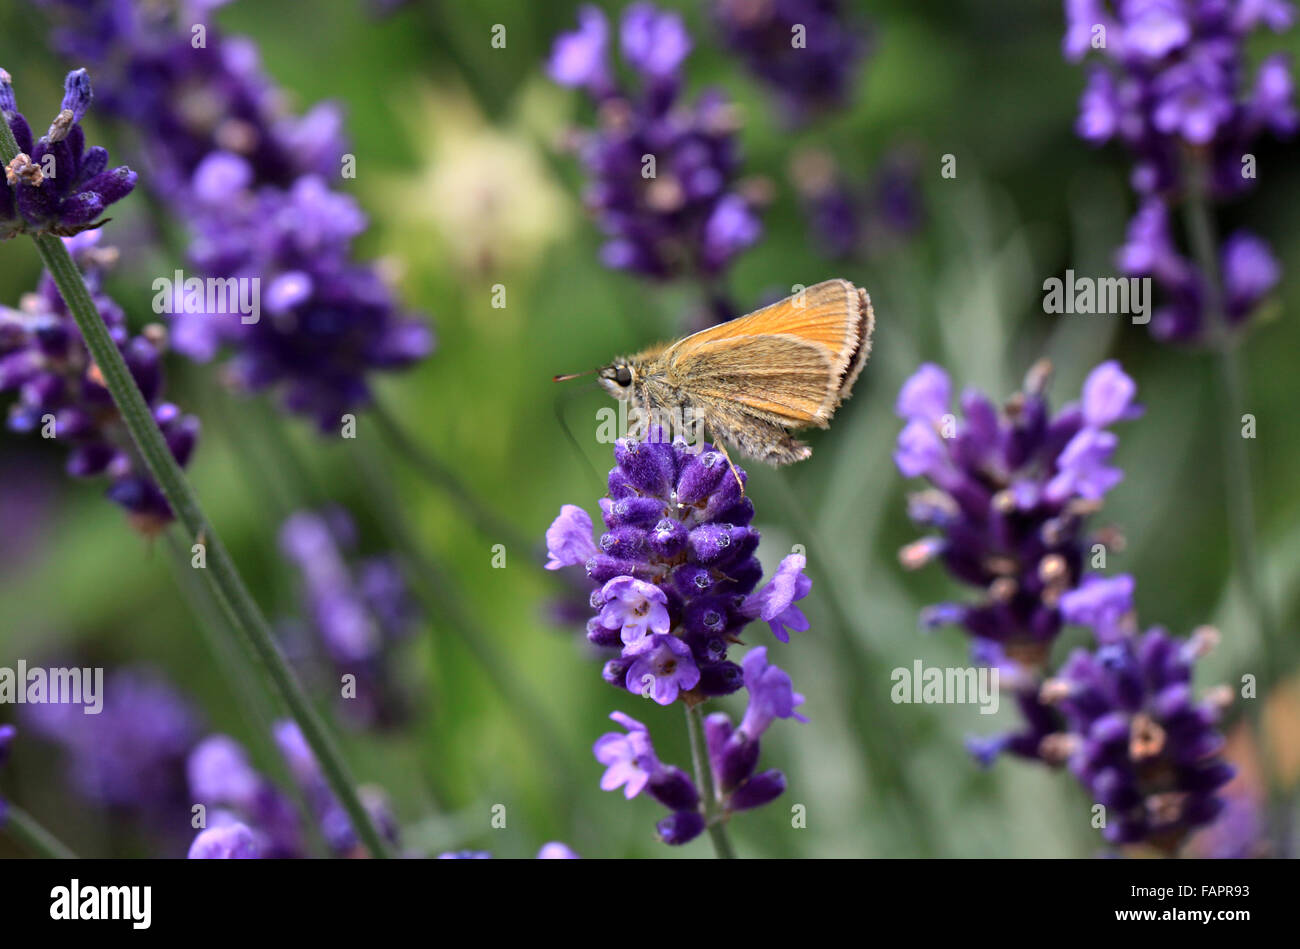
{"x": 720, "y": 444}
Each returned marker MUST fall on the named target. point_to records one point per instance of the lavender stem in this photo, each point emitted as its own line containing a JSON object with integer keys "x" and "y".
{"x": 221, "y": 572}
{"x": 704, "y": 780}
{"x": 28, "y": 831}
{"x": 1240, "y": 497}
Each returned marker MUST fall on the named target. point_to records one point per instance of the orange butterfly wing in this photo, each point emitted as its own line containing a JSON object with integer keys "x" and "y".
{"x": 796, "y": 359}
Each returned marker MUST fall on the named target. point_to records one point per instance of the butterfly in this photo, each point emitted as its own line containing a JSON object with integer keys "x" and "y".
{"x": 753, "y": 380}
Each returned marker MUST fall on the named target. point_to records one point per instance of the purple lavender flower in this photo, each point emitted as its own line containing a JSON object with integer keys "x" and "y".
{"x": 807, "y": 52}
{"x": 630, "y": 763}
{"x": 853, "y": 218}
{"x": 223, "y": 780}
{"x": 676, "y": 570}
{"x": 226, "y": 841}
{"x": 1175, "y": 91}
{"x": 56, "y": 185}
{"x": 676, "y": 573}
{"x": 131, "y": 756}
{"x": 1138, "y": 740}
{"x": 733, "y": 752}
{"x": 250, "y": 183}
{"x": 1010, "y": 495}
{"x": 359, "y": 611}
{"x": 335, "y": 825}
{"x": 775, "y": 602}
{"x": 662, "y": 172}
{"x": 61, "y": 393}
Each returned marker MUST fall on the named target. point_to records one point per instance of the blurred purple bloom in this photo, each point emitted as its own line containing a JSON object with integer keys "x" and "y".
{"x": 249, "y": 181}
{"x": 568, "y": 539}
{"x": 1100, "y": 602}
{"x": 233, "y": 841}
{"x": 581, "y": 58}
{"x": 131, "y": 756}
{"x": 336, "y": 826}
{"x": 1174, "y": 86}
{"x": 223, "y": 780}
{"x": 661, "y": 171}
{"x": 807, "y": 52}
{"x": 358, "y": 610}
{"x": 654, "y": 42}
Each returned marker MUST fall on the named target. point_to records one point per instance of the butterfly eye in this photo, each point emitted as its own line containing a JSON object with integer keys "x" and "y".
{"x": 623, "y": 375}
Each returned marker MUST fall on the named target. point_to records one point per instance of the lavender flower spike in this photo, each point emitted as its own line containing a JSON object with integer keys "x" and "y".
{"x": 674, "y": 576}
{"x": 61, "y": 394}
{"x": 1010, "y": 493}
{"x": 55, "y": 185}
{"x": 661, "y": 172}
{"x": 1173, "y": 87}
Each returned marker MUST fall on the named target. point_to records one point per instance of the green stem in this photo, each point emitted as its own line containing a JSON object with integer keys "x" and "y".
{"x": 221, "y": 573}
{"x": 32, "y": 835}
{"x": 704, "y": 781}
{"x": 1240, "y": 496}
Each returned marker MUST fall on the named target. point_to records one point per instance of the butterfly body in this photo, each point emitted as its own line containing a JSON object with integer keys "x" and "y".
{"x": 755, "y": 379}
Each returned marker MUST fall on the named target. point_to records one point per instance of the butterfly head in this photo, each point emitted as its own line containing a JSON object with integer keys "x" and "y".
{"x": 618, "y": 378}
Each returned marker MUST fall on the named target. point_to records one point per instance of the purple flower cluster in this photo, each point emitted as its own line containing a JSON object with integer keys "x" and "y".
{"x": 247, "y": 816}
{"x": 807, "y": 52}
{"x": 676, "y": 574}
{"x": 1010, "y": 494}
{"x": 251, "y": 819}
{"x": 55, "y": 185}
{"x": 358, "y": 611}
{"x": 62, "y": 395}
{"x": 662, "y": 171}
{"x": 848, "y": 220}
{"x": 1174, "y": 90}
{"x": 631, "y": 763}
{"x": 131, "y": 756}
{"x": 1121, "y": 715}
{"x": 335, "y": 825}
{"x": 252, "y": 184}
{"x": 1138, "y": 740}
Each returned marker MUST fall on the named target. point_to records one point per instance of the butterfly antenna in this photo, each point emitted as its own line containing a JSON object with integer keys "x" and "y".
{"x": 571, "y": 375}
{"x": 560, "y": 402}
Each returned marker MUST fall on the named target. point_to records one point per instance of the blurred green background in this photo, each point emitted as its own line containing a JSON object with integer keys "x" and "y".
{"x": 444, "y": 126}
